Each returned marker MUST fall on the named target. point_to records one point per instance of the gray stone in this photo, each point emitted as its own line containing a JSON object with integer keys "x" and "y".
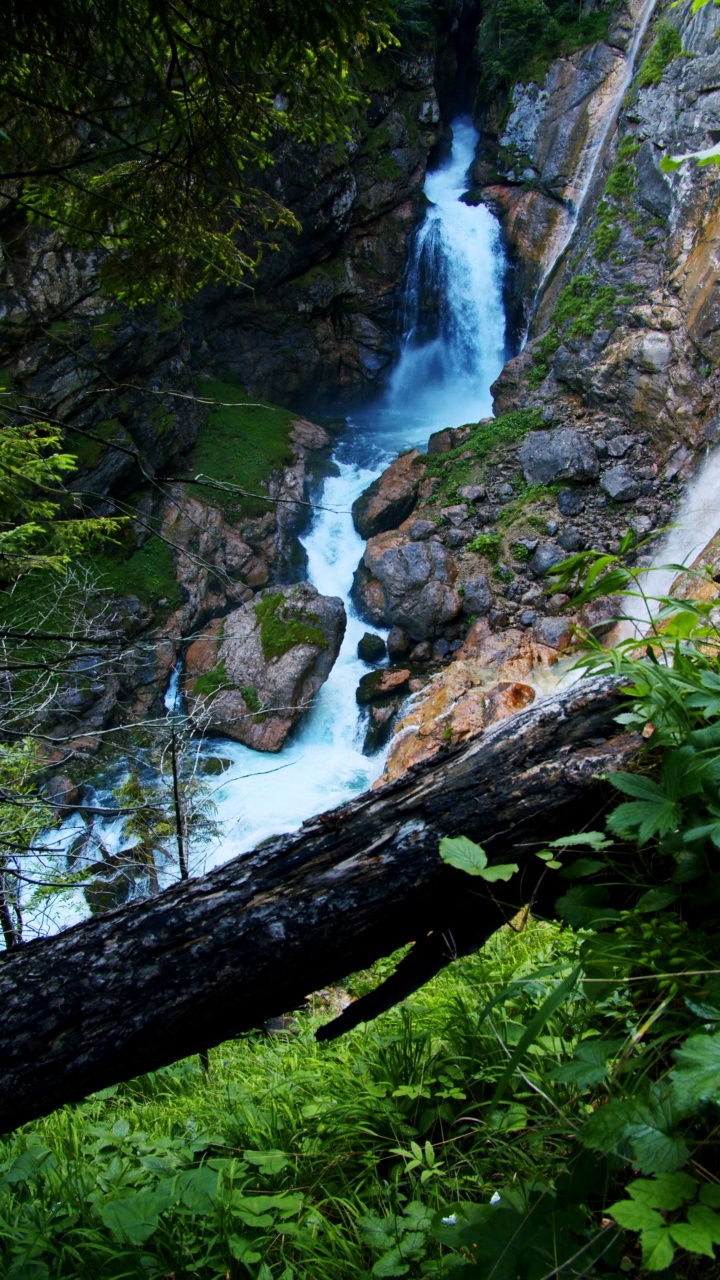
{"x": 571, "y": 539}
{"x": 556, "y": 633}
{"x": 458, "y": 537}
{"x": 472, "y": 492}
{"x": 408, "y": 583}
{"x": 620, "y": 485}
{"x": 653, "y": 188}
{"x": 421, "y": 529}
{"x": 477, "y": 597}
{"x": 570, "y": 503}
{"x": 552, "y": 527}
{"x": 454, "y": 515}
{"x": 371, "y": 648}
{"x": 545, "y": 558}
{"x": 546, "y": 456}
{"x": 248, "y": 680}
{"x": 422, "y": 652}
{"x": 618, "y": 447}
{"x": 440, "y": 650}
{"x": 528, "y": 617}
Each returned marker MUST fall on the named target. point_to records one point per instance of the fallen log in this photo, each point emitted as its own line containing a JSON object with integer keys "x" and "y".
{"x": 154, "y": 981}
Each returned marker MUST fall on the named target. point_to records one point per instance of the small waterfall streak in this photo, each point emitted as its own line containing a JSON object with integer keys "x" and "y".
{"x": 593, "y": 153}
{"x": 696, "y": 522}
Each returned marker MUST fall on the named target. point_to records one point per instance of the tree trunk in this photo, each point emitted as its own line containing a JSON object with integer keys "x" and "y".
{"x": 157, "y": 980}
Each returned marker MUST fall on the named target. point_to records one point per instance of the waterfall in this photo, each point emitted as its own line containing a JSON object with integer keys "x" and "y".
{"x": 452, "y": 348}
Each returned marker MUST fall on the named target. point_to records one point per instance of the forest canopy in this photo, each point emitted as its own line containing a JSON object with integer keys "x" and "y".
{"x": 141, "y": 129}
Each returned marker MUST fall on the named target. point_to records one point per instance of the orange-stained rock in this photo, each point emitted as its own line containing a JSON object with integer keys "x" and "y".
{"x": 458, "y": 704}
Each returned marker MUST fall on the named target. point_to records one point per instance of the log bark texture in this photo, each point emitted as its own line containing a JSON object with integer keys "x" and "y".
{"x": 154, "y": 981}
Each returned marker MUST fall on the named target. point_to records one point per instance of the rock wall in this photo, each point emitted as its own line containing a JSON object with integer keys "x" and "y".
{"x": 608, "y": 409}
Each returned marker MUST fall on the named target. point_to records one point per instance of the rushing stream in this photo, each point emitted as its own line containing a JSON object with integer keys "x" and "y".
{"x": 452, "y": 349}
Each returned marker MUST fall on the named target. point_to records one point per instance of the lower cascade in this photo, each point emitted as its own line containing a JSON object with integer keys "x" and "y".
{"x": 452, "y": 348}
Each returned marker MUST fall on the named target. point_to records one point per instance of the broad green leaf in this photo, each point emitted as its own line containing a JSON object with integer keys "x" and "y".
{"x": 391, "y": 1264}
{"x": 243, "y": 1250}
{"x": 666, "y": 1191}
{"x": 267, "y": 1161}
{"x": 705, "y": 1219}
{"x": 657, "y": 1248}
{"x": 33, "y": 1160}
{"x": 121, "y": 1129}
{"x": 584, "y": 907}
{"x": 582, "y": 867}
{"x": 464, "y": 854}
{"x": 635, "y": 1216}
{"x": 697, "y": 1078}
{"x": 655, "y": 899}
{"x": 595, "y": 840}
{"x": 134, "y": 1218}
{"x": 710, "y": 1194}
{"x": 588, "y": 1065}
{"x": 501, "y": 871}
{"x": 199, "y": 1189}
{"x": 694, "y": 1239}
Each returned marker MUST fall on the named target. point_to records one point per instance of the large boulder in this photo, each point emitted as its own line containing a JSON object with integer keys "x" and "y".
{"x": 389, "y": 500}
{"x": 255, "y": 672}
{"x": 411, "y": 584}
{"x": 546, "y": 456}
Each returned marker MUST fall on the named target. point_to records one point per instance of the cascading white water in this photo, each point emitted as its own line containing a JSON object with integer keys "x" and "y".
{"x": 697, "y": 521}
{"x": 452, "y": 349}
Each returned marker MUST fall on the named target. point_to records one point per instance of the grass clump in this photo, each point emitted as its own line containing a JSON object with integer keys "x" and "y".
{"x": 667, "y": 46}
{"x": 543, "y": 351}
{"x": 281, "y": 627}
{"x": 486, "y": 544}
{"x": 583, "y": 305}
{"x": 241, "y": 443}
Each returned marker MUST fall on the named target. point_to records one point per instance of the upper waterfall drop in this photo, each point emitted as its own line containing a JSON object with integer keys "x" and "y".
{"x": 451, "y": 309}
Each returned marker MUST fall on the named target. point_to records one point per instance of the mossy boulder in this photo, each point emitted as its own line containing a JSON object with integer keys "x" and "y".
{"x": 255, "y": 674}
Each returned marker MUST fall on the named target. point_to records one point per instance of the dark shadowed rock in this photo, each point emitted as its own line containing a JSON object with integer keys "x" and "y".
{"x": 570, "y": 503}
{"x": 256, "y": 672}
{"x": 571, "y": 539}
{"x": 378, "y": 685}
{"x": 477, "y": 596}
{"x": 398, "y": 642}
{"x": 653, "y": 188}
{"x": 388, "y": 500}
{"x": 545, "y": 558}
{"x": 620, "y": 485}
{"x": 546, "y": 456}
{"x": 371, "y": 648}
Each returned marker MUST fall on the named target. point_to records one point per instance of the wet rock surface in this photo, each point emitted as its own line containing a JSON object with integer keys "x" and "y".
{"x": 255, "y": 672}
{"x": 389, "y": 499}
{"x": 406, "y": 583}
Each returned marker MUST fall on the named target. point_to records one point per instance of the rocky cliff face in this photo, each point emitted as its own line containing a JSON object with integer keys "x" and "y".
{"x": 614, "y": 399}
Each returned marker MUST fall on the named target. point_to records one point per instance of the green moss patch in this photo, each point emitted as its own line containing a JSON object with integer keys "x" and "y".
{"x": 242, "y": 442}
{"x": 584, "y": 305}
{"x": 89, "y": 451}
{"x": 209, "y": 684}
{"x": 148, "y": 573}
{"x": 281, "y": 628}
{"x": 667, "y": 46}
{"x": 487, "y": 441}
